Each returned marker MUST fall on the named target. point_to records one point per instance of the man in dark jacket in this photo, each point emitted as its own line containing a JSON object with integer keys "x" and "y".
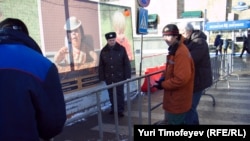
{"x": 218, "y": 43}
{"x": 196, "y": 42}
{"x": 114, "y": 66}
{"x": 32, "y": 101}
{"x": 245, "y": 45}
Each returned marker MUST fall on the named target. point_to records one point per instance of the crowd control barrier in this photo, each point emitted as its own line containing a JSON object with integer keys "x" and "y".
{"x": 222, "y": 67}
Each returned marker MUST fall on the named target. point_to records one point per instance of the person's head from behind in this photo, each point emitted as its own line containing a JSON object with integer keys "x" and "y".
{"x": 16, "y": 28}
{"x": 171, "y": 34}
{"x": 74, "y": 30}
{"x": 111, "y": 38}
{"x": 186, "y": 29}
{"x": 218, "y": 36}
{"x": 14, "y": 24}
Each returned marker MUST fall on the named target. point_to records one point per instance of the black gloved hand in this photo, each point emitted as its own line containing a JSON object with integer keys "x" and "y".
{"x": 158, "y": 83}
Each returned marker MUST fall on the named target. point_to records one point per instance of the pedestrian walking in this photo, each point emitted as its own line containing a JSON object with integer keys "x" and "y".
{"x": 218, "y": 43}
{"x": 196, "y": 42}
{"x": 245, "y": 46}
{"x": 226, "y": 44}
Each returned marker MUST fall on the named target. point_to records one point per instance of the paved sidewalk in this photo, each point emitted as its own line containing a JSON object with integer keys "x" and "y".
{"x": 231, "y": 103}
{"x": 231, "y": 108}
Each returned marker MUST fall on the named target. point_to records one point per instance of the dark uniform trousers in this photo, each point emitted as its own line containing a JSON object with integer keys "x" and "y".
{"x": 119, "y": 96}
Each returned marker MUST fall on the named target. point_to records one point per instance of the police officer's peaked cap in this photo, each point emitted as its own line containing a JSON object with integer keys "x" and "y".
{"x": 110, "y": 35}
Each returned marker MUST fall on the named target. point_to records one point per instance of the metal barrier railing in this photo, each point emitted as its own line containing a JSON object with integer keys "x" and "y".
{"x": 98, "y": 109}
{"x": 221, "y": 69}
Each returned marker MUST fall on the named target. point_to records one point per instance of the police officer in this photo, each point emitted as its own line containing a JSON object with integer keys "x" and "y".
{"x": 114, "y": 66}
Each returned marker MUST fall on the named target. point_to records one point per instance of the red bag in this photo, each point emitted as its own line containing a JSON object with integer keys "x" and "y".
{"x": 153, "y": 78}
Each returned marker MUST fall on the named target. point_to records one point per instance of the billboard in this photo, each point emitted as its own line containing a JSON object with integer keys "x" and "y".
{"x": 71, "y": 34}
{"x": 71, "y": 41}
{"x": 74, "y": 35}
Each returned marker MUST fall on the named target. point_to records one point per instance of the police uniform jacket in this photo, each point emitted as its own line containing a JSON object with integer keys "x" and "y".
{"x": 114, "y": 64}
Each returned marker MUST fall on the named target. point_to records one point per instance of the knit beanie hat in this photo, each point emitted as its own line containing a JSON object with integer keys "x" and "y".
{"x": 170, "y": 29}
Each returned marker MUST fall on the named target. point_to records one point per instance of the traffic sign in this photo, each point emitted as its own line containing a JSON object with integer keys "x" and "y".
{"x": 143, "y": 3}
{"x": 142, "y": 22}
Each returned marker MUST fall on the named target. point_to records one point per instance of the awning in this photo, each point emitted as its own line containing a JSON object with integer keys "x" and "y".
{"x": 228, "y": 25}
{"x": 152, "y": 17}
{"x": 191, "y": 14}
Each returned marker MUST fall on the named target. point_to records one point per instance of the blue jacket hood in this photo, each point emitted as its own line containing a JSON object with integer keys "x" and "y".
{"x": 10, "y": 36}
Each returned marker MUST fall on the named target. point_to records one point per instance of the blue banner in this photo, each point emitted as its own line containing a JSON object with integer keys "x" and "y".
{"x": 229, "y": 25}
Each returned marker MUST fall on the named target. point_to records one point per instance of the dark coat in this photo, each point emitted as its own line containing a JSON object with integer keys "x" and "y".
{"x": 114, "y": 64}
{"x": 32, "y": 101}
{"x": 218, "y": 41}
{"x": 198, "y": 48}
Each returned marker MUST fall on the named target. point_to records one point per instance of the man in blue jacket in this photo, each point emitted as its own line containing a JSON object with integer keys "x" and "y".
{"x": 32, "y": 104}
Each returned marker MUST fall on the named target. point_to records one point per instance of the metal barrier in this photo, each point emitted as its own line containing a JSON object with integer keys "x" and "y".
{"x": 221, "y": 69}
{"x": 98, "y": 108}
